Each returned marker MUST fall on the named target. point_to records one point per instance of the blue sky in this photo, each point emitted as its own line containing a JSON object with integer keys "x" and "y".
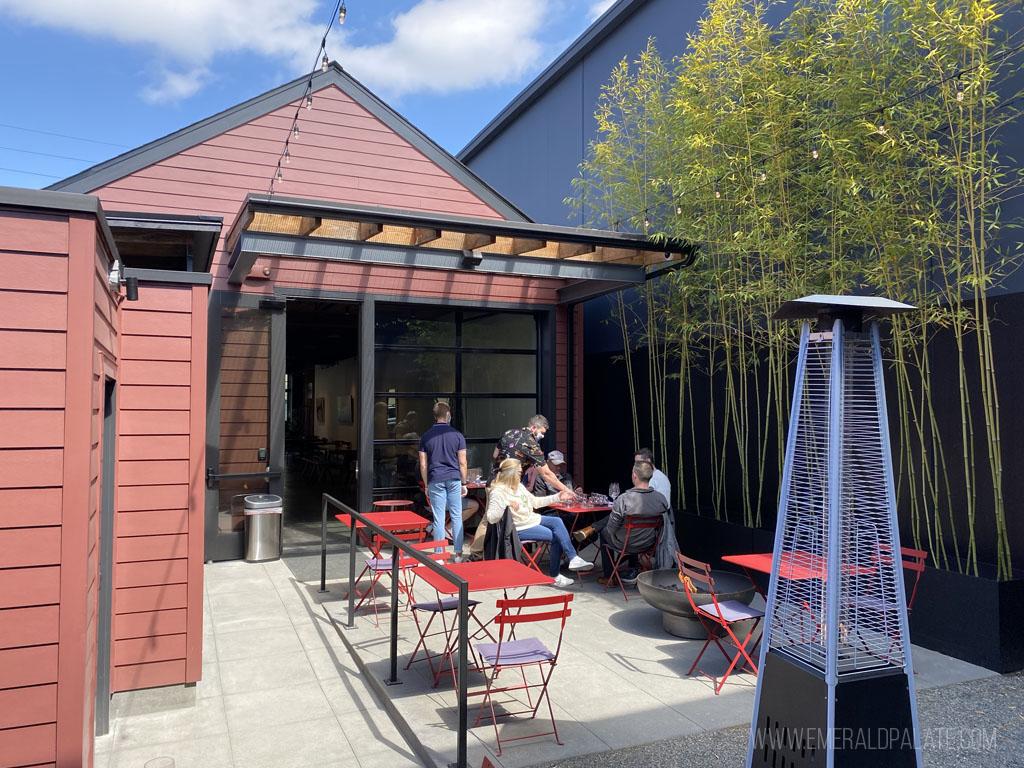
{"x": 84, "y": 81}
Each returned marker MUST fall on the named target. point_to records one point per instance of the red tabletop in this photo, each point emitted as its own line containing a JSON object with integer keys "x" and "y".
{"x": 484, "y": 575}
{"x": 390, "y": 521}
{"x": 795, "y": 565}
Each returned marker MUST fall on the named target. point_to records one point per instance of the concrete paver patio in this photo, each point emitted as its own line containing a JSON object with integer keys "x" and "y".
{"x": 280, "y": 687}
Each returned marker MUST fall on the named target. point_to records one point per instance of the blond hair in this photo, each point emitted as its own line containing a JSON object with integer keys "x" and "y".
{"x": 509, "y": 472}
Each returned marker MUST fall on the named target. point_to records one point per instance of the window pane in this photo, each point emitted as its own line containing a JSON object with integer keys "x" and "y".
{"x": 480, "y": 456}
{"x": 395, "y": 465}
{"x": 500, "y": 330}
{"x": 493, "y": 416}
{"x": 396, "y": 418}
{"x": 423, "y": 327}
{"x": 484, "y": 372}
{"x": 414, "y": 372}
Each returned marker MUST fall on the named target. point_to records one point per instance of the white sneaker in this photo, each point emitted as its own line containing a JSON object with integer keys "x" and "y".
{"x": 563, "y": 581}
{"x": 579, "y": 564}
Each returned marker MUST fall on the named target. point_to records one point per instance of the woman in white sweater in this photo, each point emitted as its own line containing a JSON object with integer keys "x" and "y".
{"x": 507, "y": 491}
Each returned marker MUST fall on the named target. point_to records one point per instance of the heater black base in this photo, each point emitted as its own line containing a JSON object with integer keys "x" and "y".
{"x": 874, "y": 723}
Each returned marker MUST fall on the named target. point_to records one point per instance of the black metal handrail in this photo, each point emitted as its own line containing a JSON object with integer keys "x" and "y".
{"x": 397, "y": 545}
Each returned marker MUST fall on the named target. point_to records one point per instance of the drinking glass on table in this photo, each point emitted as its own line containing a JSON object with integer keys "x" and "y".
{"x": 613, "y": 491}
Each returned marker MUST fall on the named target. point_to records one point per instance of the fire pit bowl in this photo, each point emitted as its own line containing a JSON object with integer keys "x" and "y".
{"x": 663, "y": 590}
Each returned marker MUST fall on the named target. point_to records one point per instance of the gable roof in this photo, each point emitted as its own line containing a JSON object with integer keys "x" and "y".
{"x": 128, "y": 163}
{"x": 590, "y": 39}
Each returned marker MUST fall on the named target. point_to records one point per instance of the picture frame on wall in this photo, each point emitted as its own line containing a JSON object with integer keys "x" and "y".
{"x": 344, "y": 409}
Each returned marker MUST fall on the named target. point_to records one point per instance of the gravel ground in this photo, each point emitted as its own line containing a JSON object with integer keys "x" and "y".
{"x": 978, "y": 723}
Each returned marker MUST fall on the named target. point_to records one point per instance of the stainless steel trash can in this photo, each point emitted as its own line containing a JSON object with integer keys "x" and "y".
{"x": 263, "y": 527}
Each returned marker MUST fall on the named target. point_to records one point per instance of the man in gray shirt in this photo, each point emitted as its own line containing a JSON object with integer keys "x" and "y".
{"x": 639, "y": 501}
{"x": 659, "y": 480}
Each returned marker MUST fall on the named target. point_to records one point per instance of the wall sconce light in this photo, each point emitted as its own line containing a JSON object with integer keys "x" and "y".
{"x": 471, "y": 259}
{"x": 116, "y": 279}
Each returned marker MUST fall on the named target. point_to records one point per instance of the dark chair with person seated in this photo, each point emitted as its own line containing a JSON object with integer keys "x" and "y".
{"x": 621, "y": 557}
{"x": 718, "y": 616}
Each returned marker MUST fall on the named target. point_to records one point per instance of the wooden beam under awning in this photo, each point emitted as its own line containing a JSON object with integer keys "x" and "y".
{"x": 426, "y": 237}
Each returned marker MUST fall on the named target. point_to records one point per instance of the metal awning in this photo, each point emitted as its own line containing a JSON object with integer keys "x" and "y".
{"x": 279, "y": 226}
{"x": 156, "y": 232}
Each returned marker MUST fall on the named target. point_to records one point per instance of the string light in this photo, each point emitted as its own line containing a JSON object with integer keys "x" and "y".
{"x": 959, "y": 90}
{"x": 814, "y": 153}
{"x": 679, "y": 210}
{"x": 287, "y": 155}
{"x": 309, "y": 101}
{"x": 881, "y": 122}
{"x": 295, "y": 130}
{"x": 764, "y": 174}
{"x": 325, "y": 63}
{"x": 647, "y": 222}
{"x": 280, "y": 176}
{"x": 342, "y": 13}
{"x": 718, "y": 193}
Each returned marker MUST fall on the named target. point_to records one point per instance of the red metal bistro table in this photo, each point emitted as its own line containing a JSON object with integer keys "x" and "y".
{"x": 483, "y": 576}
{"x": 580, "y": 509}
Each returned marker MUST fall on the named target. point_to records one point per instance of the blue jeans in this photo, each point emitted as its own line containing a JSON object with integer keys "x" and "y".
{"x": 551, "y": 529}
{"x": 446, "y": 496}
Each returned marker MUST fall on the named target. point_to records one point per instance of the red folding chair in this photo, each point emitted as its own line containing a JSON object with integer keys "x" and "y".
{"x": 525, "y": 653}
{"x": 533, "y": 554}
{"x": 716, "y": 616}
{"x": 378, "y": 567}
{"x": 913, "y": 561}
{"x": 645, "y": 557}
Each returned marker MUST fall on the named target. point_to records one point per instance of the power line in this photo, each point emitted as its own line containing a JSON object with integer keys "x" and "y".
{"x": 63, "y": 136}
{"x": 47, "y": 154}
{"x": 32, "y": 173}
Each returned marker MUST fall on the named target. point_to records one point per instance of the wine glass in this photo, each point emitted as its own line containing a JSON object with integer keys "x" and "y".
{"x": 613, "y": 491}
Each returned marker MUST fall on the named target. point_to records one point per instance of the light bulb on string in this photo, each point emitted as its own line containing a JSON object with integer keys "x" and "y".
{"x": 342, "y": 12}
{"x": 679, "y": 210}
{"x": 647, "y": 223}
{"x": 718, "y": 193}
{"x": 280, "y": 176}
{"x": 881, "y": 122}
{"x": 764, "y": 174}
{"x": 309, "y": 101}
{"x": 325, "y": 63}
{"x": 287, "y": 156}
{"x": 959, "y": 91}
{"x": 295, "y": 130}
{"x": 814, "y": 153}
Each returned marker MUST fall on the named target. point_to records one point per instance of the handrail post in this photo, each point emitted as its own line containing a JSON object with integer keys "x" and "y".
{"x": 463, "y": 681}
{"x": 323, "y": 546}
{"x": 352, "y": 572}
{"x": 393, "y": 679}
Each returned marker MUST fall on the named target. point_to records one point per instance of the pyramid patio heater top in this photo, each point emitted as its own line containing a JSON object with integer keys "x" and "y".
{"x": 836, "y": 684}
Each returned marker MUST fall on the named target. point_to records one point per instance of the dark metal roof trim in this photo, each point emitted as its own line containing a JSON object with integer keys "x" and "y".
{"x": 253, "y": 245}
{"x": 205, "y": 230}
{"x": 44, "y": 199}
{"x": 169, "y": 276}
{"x": 129, "y": 162}
{"x": 584, "y": 290}
{"x": 591, "y": 37}
{"x": 451, "y": 222}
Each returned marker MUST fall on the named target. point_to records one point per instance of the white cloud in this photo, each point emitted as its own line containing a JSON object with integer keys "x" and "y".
{"x": 437, "y": 46}
{"x": 452, "y": 45}
{"x": 175, "y": 86}
{"x": 596, "y": 9}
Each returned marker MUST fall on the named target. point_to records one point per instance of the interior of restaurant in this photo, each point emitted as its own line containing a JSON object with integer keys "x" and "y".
{"x": 482, "y": 362}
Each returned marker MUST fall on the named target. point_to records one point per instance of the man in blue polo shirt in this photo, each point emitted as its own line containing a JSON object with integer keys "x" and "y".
{"x": 443, "y": 469}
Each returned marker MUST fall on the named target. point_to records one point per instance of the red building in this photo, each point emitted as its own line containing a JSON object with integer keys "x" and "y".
{"x": 381, "y": 276}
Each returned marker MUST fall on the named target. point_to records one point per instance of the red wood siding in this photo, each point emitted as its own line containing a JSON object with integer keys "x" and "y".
{"x": 33, "y": 348}
{"x": 343, "y": 154}
{"x": 158, "y": 549}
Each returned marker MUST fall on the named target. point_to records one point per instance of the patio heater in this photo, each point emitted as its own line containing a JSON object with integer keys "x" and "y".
{"x": 835, "y": 686}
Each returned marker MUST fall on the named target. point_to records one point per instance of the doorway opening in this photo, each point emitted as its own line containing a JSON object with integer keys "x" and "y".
{"x": 321, "y": 413}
